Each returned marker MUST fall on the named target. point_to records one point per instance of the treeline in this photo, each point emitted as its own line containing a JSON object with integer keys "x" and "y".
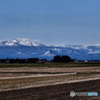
{"x": 56, "y": 58}
{"x": 62, "y": 59}
{"x": 29, "y": 60}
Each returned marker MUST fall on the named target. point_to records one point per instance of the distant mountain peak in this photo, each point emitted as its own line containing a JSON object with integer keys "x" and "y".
{"x": 18, "y": 42}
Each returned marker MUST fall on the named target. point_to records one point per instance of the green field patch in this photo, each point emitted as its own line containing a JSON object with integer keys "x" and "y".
{"x": 72, "y": 64}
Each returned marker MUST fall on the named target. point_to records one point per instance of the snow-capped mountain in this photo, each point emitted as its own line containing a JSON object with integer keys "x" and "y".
{"x": 25, "y": 48}
{"x": 17, "y": 42}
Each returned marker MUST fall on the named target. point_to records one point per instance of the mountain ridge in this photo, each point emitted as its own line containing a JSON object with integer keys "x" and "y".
{"x": 17, "y": 42}
{"x": 25, "y": 48}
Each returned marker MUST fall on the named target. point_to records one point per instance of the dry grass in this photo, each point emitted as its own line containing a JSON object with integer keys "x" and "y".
{"x": 40, "y": 81}
{"x": 26, "y": 70}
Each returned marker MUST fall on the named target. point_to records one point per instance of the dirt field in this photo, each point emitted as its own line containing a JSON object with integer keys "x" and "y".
{"x": 51, "y": 69}
{"x": 55, "y": 92}
{"x": 48, "y": 83}
{"x": 13, "y": 78}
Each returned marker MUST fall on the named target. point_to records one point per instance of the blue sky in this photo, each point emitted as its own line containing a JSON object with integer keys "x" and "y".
{"x": 52, "y": 22}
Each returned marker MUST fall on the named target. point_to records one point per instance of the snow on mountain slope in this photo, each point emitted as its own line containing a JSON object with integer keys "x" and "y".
{"x": 25, "y": 48}
{"x": 17, "y": 42}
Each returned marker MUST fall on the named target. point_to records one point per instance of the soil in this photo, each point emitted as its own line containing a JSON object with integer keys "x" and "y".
{"x": 51, "y": 69}
{"x": 54, "y": 92}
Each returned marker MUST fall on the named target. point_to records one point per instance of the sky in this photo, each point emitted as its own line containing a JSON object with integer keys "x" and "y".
{"x": 51, "y": 22}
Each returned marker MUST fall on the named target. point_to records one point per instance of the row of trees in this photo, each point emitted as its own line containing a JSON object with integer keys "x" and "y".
{"x": 29, "y": 60}
{"x": 35, "y": 60}
{"x": 62, "y": 59}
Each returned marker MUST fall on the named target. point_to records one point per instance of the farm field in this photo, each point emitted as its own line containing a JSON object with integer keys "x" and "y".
{"x": 15, "y": 78}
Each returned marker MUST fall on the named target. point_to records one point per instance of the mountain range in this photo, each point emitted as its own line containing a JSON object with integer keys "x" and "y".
{"x": 25, "y": 48}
